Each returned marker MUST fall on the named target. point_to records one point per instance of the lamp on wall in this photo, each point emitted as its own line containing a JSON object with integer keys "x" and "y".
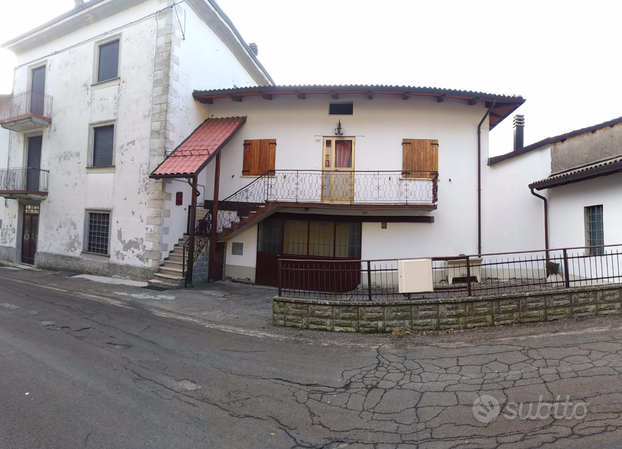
{"x": 339, "y": 131}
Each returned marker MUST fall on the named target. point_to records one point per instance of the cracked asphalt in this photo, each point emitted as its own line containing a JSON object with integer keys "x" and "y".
{"x": 89, "y": 365}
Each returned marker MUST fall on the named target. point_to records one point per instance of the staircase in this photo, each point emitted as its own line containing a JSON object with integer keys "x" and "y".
{"x": 170, "y": 275}
{"x": 259, "y": 212}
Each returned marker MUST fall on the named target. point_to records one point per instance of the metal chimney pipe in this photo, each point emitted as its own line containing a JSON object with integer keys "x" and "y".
{"x": 254, "y": 48}
{"x": 519, "y": 131}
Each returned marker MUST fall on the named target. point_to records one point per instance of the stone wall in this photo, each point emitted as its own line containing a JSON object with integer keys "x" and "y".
{"x": 200, "y": 269}
{"x": 465, "y": 313}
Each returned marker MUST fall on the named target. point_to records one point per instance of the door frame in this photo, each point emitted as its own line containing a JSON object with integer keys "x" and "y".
{"x": 24, "y": 213}
{"x": 328, "y": 165}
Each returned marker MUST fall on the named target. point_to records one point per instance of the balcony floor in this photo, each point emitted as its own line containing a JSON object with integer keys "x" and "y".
{"x": 31, "y": 195}
{"x": 25, "y": 123}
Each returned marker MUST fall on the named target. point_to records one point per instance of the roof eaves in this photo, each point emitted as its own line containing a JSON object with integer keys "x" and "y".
{"x": 550, "y": 140}
{"x": 603, "y": 168}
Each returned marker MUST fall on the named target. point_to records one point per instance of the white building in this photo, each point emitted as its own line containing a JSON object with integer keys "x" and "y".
{"x": 100, "y": 95}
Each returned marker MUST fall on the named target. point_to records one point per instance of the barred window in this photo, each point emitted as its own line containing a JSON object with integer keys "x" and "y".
{"x": 594, "y": 232}
{"x": 98, "y": 232}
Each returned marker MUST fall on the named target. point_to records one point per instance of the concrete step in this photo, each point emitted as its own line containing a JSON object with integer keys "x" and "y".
{"x": 165, "y": 284}
{"x": 168, "y": 277}
{"x": 171, "y": 271}
{"x": 172, "y": 257}
{"x": 173, "y": 263}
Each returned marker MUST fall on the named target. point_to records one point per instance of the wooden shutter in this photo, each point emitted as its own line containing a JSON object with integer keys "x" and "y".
{"x": 108, "y": 61}
{"x": 103, "y": 146}
{"x": 259, "y": 156}
{"x": 419, "y": 155}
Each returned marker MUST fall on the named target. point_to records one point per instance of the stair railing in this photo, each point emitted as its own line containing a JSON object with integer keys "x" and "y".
{"x": 202, "y": 234}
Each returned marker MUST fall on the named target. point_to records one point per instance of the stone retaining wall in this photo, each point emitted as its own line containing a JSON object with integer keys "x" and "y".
{"x": 439, "y": 314}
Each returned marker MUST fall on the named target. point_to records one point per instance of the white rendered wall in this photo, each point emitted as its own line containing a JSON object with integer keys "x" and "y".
{"x": 79, "y": 104}
{"x": 513, "y": 218}
{"x": 242, "y": 267}
{"x": 567, "y": 215}
{"x": 378, "y": 126}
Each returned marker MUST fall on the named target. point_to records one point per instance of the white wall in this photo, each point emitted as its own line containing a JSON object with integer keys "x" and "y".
{"x": 567, "y": 215}
{"x": 378, "y": 126}
{"x": 78, "y": 104}
{"x": 513, "y": 218}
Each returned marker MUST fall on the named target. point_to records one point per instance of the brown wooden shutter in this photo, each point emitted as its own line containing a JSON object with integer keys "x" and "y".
{"x": 419, "y": 155}
{"x": 259, "y": 156}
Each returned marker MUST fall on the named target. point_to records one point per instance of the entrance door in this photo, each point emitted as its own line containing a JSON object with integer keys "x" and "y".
{"x": 338, "y": 166}
{"x": 37, "y": 91}
{"x": 29, "y": 234}
{"x": 34, "y": 163}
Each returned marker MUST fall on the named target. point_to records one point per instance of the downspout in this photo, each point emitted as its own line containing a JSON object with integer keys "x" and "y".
{"x": 546, "y": 221}
{"x": 479, "y": 178}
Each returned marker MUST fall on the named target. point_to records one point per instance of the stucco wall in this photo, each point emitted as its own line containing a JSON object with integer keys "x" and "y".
{"x": 567, "y": 215}
{"x": 242, "y": 268}
{"x": 514, "y": 218}
{"x": 586, "y": 148}
{"x": 80, "y": 103}
{"x": 378, "y": 126}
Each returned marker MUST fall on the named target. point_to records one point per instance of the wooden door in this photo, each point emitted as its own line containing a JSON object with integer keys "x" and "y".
{"x": 338, "y": 166}
{"x": 34, "y": 163}
{"x": 216, "y": 266}
{"x": 37, "y": 102}
{"x": 29, "y": 233}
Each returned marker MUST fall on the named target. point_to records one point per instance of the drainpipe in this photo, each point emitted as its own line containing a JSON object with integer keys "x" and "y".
{"x": 546, "y": 221}
{"x": 193, "y": 216}
{"x": 479, "y": 179}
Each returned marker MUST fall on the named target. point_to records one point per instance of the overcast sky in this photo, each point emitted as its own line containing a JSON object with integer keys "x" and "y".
{"x": 562, "y": 56}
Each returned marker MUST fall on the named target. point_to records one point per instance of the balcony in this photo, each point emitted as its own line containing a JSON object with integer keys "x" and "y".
{"x": 24, "y": 183}
{"x": 27, "y": 111}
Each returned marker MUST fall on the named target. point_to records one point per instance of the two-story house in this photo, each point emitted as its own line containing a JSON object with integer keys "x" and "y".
{"x": 101, "y": 94}
{"x": 336, "y": 172}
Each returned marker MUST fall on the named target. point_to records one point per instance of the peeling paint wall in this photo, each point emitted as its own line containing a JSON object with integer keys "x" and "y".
{"x": 79, "y": 104}
{"x": 586, "y": 148}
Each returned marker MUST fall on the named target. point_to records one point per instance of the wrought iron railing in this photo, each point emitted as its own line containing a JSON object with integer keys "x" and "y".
{"x": 202, "y": 233}
{"x": 25, "y": 104}
{"x": 23, "y": 179}
{"x": 472, "y": 275}
{"x": 347, "y": 188}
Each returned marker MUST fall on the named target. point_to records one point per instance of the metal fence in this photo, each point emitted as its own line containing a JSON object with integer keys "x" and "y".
{"x": 464, "y": 275}
{"x": 23, "y": 179}
{"x": 24, "y": 104}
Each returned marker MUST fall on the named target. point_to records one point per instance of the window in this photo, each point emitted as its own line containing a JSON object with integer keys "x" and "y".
{"x": 419, "y": 158}
{"x": 341, "y": 109}
{"x": 259, "y": 156}
{"x": 315, "y": 238}
{"x": 594, "y": 232}
{"x": 108, "y": 61}
{"x": 98, "y": 232}
{"x": 103, "y": 146}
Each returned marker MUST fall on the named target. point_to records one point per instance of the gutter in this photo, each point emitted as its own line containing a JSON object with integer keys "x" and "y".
{"x": 479, "y": 178}
{"x": 546, "y": 220}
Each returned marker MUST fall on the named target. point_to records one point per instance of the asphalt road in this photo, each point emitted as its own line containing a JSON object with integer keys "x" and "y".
{"x": 82, "y": 369}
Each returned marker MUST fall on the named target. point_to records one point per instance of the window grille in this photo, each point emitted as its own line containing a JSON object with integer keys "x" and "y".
{"x": 98, "y": 232}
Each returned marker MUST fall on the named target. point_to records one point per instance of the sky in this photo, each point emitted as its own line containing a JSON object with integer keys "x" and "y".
{"x": 562, "y": 56}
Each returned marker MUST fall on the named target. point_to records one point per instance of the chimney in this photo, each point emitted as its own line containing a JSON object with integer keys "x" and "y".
{"x": 79, "y": 3}
{"x": 519, "y": 131}
{"x": 254, "y": 48}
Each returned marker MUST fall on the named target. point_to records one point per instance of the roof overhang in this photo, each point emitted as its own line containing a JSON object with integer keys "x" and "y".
{"x": 199, "y": 148}
{"x": 602, "y": 168}
{"x": 504, "y": 104}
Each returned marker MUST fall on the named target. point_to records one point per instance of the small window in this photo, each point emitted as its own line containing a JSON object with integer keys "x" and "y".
{"x": 103, "y": 146}
{"x": 237, "y": 249}
{"x": 594, "y": 229}
{"x": 259, "y": 157}
{"x": 98, "y": 232}
{"x": 419, "y": 158}
{"x": 269, "y": 239}
{"x": 108, "y": 64}
{"x": 341, "y": 109}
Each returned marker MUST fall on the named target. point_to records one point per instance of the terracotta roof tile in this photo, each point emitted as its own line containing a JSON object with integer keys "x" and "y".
{"x": 193, "y": 154}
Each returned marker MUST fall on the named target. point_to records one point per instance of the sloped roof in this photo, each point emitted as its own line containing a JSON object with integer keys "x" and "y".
{"x": 602, "y": 168}
{"x": 550, "y": 140}
{"x": 194, "y": 153}
{"x": 504, "y": 104}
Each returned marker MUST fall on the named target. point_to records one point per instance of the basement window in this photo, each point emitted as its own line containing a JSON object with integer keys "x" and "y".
{"x": 98, "y": 232}
{"x": 341, "y": 109}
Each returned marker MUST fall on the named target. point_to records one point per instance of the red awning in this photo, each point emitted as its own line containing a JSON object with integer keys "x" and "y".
{"x": 194, "y": 153}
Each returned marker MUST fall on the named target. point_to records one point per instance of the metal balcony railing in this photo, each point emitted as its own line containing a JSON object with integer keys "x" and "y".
{"x": 23, "y": 179}
{"x": 345, "y": 188}
{"x": 26, "y": 104}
